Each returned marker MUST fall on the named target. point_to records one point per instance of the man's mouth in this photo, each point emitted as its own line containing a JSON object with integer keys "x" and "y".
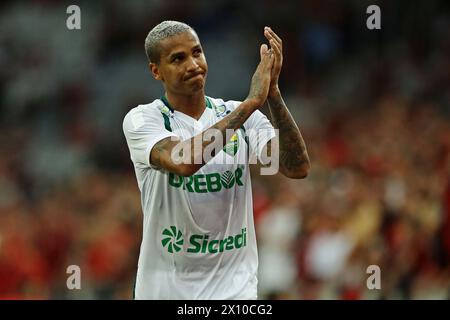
{"x": 195, "y": 76}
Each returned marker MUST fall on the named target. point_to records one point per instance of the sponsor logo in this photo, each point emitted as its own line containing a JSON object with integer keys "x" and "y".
{"x": 173, "y": 240}
{"x": 210, "y": 182}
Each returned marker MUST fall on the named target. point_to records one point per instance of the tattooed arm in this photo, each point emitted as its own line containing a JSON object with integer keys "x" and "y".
{"x": 184, "y": 157}
{"x": 293, "y": 156}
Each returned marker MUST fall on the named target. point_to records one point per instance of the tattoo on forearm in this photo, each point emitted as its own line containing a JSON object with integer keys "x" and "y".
{"x": 256, "y": 89}
{"x": 235, "y": 121}
{"x": 162, "y": 151}
{"x": 293, "y": 153}
{"x": 157, "y": 151}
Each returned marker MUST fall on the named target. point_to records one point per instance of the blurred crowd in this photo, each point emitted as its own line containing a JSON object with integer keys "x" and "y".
{"x": 373, "y": 107}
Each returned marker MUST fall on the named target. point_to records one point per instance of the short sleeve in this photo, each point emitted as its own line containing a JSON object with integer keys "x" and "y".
{"x": 143, "y": 127}
{"x": 258, "y": 129}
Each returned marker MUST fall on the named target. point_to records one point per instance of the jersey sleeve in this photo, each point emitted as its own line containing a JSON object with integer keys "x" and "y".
{"x": 258, "y": 129}
{"x": 143, "y": 128}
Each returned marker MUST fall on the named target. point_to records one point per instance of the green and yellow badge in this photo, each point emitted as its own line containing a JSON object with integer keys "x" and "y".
{"x": 232, "y": 146}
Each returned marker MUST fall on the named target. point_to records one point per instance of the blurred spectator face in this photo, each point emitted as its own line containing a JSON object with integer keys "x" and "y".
{"x": 182, "y": 67}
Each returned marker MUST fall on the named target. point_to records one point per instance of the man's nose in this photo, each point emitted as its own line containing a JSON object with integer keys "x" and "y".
{"x": 192, "y": 64}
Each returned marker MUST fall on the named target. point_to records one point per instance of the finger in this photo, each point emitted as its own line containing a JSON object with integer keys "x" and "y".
{"x": 268, "y": 52}
{"x": 277, "y": 53}
{"x": 267, "y": 34}
{"x": 267, "y": 59}
{"x": 278, "y": 59}
{"x": 273, "y": 41}
{"x": 274, "y": 35}
{"x": 270, "y": 60}
{"x": 270, "y": 36}
{"x": 263, "y": 49}
{"x": 276, "y": 48}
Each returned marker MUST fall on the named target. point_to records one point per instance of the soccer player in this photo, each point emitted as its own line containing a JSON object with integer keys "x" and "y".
{"x": 198, "y": 231}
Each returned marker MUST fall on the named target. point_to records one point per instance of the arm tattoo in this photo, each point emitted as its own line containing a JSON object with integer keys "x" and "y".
{"x": 162, "y": 151}
{"x": 158, "y": 150}
{"x": 232, "y": 122}
{"x": 235, "y": 120}
{"x": 293, "y": 154}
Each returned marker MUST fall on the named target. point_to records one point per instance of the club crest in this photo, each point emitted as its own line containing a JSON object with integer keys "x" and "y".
{"x": 232, "y": 146}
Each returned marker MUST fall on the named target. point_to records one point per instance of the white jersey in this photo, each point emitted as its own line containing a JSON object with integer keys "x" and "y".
{"x": 198, "y": 232}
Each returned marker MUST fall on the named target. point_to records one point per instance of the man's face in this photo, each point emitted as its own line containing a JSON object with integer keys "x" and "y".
{"x": 182, "y": 66}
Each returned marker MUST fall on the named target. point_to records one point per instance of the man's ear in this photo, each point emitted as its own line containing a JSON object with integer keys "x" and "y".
{"x": 155, "y": 71}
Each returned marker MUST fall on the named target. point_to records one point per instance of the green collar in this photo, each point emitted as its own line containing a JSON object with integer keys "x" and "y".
{"x": 167, "y": 104}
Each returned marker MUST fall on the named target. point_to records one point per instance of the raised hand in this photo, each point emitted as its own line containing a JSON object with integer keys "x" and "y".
{"x": 261, "y": 80}
{"x": 276, "y": 45}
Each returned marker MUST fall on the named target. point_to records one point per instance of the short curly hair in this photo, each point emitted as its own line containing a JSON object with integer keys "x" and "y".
{"x": 160, "y": 32}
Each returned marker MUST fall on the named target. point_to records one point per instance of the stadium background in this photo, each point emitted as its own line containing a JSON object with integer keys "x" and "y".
{"x": 373, "y": 107}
